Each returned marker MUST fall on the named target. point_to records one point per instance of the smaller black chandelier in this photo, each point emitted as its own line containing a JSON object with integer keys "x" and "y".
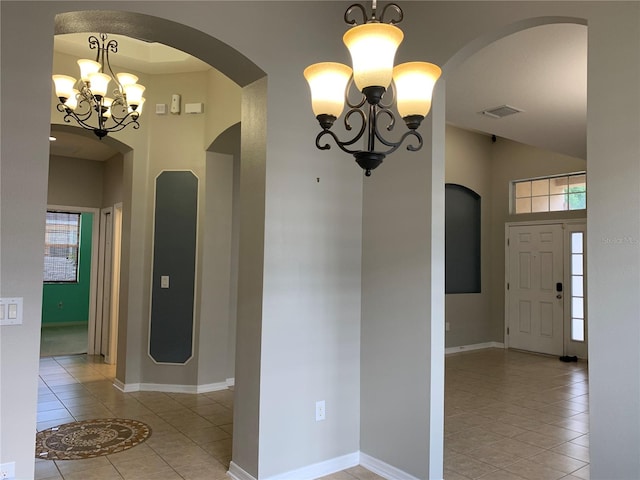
{"x": 372, "y": 46}
{"x": 89, "y": 105}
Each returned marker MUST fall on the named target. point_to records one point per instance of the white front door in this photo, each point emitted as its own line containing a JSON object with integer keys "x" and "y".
{"x": 535, "y": 288}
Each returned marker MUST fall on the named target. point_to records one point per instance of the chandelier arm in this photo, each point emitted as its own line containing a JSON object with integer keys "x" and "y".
{"x": 347, "y": 124}
{"x": 341, "y": 145}
{"x": 390, "y": 95}
{"x": 113, "y": 47}
{"x": 397, "y": 10}
{"x": 120, "y": 126}
{"x": 392, "y": 118}
{"x": 395, "y": 145}
{"x": 132, "y": 119}
{"x": 363, "y": 98}
{"x": 70, "y": 114}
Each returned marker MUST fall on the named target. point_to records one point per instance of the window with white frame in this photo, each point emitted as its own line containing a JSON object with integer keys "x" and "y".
{"x": 550, "y": 194}
{"x": 61, "y": 247}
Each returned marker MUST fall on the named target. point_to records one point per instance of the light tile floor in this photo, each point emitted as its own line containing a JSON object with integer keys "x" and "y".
{"x": 508, "y": 415}
{"x": 514, "y": 415}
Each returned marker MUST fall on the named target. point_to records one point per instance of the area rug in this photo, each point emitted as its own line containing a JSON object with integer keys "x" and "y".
{"x": 90, "y": 438}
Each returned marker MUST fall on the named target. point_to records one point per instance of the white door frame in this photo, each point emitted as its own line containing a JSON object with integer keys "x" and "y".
{"x": 95, "y": 234}
{"x": 111, "y": 259}
{"x": 104, "y": 260}
{"x": 116, "y": 243}
{"x": 568, "y": 226}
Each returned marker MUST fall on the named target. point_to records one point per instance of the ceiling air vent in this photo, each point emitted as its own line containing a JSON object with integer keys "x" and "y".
{"x": 501, "y": 111}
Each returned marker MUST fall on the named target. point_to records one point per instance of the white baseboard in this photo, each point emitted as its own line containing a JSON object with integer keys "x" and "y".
{"x": 320, "y": 469}
{"x": 238, "y": 473}
{"x": 384, "y": 469}
{"x": 169, "y": 388}
{"x": 126, "y": 387}
{"x": 211, "y": 387}
{"x": 231, "y": 382}
{"x": 328, "y": 467}
{"x": 477, "y": 346}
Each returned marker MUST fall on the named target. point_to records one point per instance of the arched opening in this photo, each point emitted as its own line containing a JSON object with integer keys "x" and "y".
{"x": 474, "y": 158}
{"x": 142, "y": 161}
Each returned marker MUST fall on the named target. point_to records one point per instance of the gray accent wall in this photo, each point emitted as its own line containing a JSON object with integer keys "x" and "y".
{"x": 171, "y": 334}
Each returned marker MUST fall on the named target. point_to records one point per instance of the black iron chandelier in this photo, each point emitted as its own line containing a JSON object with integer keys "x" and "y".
{"x": 88, "y": 105}
{"x": 372, "y": 46}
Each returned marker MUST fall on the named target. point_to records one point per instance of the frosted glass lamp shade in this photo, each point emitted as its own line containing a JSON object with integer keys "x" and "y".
{"x": 88, "y": 68}
{"x": 126, "y": 78}
{"x": 138, "y": 110}
{"x": 64, "y": 85}
{"x": 134, "y": 94}
{"x": 414, "y": 87}
{"x": 99, "y": 83}
{"x": 328, "y": 83}
{"x": 373, "y": 48}
{"x": 72, "y": 101}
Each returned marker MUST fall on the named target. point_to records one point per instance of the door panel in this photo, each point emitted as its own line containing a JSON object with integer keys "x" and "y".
{"x": 536, "y": 264}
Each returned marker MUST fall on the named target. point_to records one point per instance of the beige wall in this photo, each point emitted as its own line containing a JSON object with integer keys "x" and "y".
{"x": 112, "y": 185}
{"x": 78, "y": 182}
{"x": 75, "y": 182}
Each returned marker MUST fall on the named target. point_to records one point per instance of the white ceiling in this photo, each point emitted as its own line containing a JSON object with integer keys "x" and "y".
{"x": 542, "y": 71}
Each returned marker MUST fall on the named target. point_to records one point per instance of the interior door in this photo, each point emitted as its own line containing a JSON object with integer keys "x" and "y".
{"x": 535, "y": 288}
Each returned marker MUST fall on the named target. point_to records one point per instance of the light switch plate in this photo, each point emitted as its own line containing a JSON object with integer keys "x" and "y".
{"x": 11, "y": 311}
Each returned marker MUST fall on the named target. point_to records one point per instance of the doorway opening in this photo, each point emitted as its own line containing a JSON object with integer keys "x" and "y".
{"x": 68, "y": 300}
{"x": 485, "y": 153}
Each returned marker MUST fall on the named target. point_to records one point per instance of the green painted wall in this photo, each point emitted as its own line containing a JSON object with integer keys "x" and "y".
{"x": 69, "y": 302}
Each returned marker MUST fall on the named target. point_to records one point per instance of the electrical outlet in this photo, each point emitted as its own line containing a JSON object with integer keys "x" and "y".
{"x": 8, "y": 471}
{"x": 320, "y": 411}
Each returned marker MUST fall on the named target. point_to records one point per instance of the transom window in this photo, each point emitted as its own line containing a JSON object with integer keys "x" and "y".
{"x": 62, "y": 238}
{"x": 550, "y": 194}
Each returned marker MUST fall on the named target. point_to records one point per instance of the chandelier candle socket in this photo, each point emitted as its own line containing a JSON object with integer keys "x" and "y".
{"x": 89, "y": 105}
{"x": 408, "y": 87}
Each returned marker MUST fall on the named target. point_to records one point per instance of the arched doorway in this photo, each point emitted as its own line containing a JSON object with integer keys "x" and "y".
{"x": 136, "y": 217}
{"x": 476, "y": 144}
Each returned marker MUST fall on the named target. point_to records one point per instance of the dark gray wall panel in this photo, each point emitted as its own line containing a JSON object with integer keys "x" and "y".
{"x": 462, "y": 240}
{"x": 174, "y": 255}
